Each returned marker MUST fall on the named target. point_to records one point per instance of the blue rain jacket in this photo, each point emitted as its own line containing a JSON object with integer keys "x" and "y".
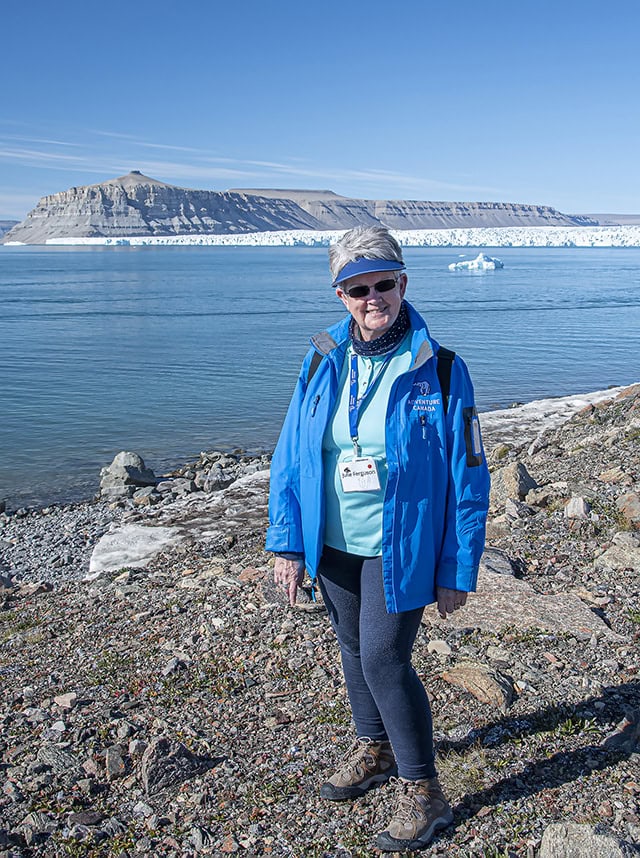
{"x": 437, "y": 494}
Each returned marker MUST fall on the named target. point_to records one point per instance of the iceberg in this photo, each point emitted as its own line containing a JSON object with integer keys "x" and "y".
{"x": 482, "y": 262}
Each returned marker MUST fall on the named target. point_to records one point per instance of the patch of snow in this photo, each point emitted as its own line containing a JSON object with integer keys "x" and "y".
{"x": 526, "y": 422}
{"x": 132, "y": 546}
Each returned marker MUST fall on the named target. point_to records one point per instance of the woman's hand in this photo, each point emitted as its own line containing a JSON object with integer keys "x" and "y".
{"x": 288, "y": 575}
{"x": 449, "y": 600}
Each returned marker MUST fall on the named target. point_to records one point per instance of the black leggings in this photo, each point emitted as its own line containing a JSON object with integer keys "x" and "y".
{"x": 388, "y": 701}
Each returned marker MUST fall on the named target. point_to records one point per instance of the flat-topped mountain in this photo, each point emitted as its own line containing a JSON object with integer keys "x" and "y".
{"x": 136, "y": 205}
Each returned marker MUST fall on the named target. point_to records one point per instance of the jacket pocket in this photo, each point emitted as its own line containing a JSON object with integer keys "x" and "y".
{"x": 472, "y": 437}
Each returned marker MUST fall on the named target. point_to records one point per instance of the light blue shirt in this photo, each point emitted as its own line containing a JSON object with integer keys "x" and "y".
{"x": 353, "y": 520}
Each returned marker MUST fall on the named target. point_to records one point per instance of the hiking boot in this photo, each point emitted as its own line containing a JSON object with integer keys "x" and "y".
{"x": 368, "y": 763}
{"x": 422, "y": 810}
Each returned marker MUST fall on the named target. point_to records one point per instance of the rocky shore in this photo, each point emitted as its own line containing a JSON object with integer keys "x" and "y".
{"x": 158, "y": 698}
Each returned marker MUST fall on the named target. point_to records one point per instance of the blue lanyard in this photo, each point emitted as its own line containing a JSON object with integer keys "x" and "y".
{"x": 355, "y": 403}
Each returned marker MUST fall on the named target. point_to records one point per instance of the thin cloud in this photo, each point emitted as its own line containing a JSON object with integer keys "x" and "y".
{"x": 31, "y": 156}
{"x": 18, "y": 138}
{"x": 203, "y": 167}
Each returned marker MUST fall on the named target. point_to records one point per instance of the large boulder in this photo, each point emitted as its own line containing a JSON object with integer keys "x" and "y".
{"x": 504, "y": 602}
{"x": 124, "y": 475}
{"x": 512, "y": 481}
{"x": 571, "y": 840}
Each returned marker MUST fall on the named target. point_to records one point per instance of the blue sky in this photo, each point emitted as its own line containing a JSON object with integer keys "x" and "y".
{"x": 532, "y": 102}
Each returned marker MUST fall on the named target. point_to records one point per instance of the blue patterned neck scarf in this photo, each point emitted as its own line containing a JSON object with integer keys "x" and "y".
{"x": 385, "y": 344}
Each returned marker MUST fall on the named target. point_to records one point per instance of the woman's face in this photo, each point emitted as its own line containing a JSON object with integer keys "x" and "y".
{"x": 376, "y": 312}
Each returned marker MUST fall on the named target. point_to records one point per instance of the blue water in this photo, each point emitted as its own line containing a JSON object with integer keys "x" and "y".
{"x": 171, "y": 350}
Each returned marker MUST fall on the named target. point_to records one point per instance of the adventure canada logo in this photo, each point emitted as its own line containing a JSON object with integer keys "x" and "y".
{"x": 422, "y": 402}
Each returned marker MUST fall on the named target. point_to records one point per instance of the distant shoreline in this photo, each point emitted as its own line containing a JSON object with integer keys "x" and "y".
{"x": 508, "y": 236}
{"x": 518, "y": 424}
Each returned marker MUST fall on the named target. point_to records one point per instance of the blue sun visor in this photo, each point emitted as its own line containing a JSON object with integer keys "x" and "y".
{"x": 367, "y": 266}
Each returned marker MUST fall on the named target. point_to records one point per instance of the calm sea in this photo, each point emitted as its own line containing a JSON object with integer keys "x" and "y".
{"x": 171, "y": 350}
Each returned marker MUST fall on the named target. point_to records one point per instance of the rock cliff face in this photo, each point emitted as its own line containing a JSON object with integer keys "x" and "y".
{"x": 135, "y": 205}
{"x": 337, "y": 212}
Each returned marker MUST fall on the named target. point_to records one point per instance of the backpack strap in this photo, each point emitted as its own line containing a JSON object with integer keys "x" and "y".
{"x": 313, "y": 366}
{"x": 444, "y": 363}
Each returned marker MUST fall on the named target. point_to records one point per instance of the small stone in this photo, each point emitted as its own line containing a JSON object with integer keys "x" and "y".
{"x": 125, "y": 730}
{"x": 173, "y": 666}
{"x": 485, "y": 684}
{"x": 12, "y": 791}
{"x": 66, "y": 701}
{"x": 85, "y": 817}
{"x": 229, "y": 844}
{"x": 146, "y": 496}
{"x": 90, "y": 767}
{"x": 515, "y": 509}
{"x": 605, "y": 810}
{"x": 439, "y": 647}
{"x": 629, "y": 506}
{"x": 114, "y": 763}
{"x": 166, "y": 763}
{"x": 250, "y": 574}
{"x": 142, "y": 809}
{"x": 137, "y": 747}
{"x": 36, "y": 588}
{"x": 577, "y": 508}
{"x": 59, "y": 760}
{"x": 624, "y": 539}
{"x": 497, "y": 561}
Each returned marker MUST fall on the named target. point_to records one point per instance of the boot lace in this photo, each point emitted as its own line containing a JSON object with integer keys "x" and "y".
{"x": 357, "y": 755}
{"x": 407, "y": 809}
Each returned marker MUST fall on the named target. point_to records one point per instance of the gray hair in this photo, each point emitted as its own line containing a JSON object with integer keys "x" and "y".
{"x": 368, "y": 242}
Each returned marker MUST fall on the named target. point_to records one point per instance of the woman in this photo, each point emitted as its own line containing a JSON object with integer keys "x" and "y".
{"x": 380, "y": 491}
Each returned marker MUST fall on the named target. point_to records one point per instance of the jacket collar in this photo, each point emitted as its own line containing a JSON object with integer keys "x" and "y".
{"x": 422, "y": 346}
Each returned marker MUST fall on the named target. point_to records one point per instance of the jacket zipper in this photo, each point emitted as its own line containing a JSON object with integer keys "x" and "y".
{"x": 314, "y": 406}
{"x": 423, "y": 423}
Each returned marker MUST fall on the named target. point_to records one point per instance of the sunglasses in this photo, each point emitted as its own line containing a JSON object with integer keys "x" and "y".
{"x": 360, "y": 291}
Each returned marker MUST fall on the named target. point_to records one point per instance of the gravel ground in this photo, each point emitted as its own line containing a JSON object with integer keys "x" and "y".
{"x": 183, "y": 709}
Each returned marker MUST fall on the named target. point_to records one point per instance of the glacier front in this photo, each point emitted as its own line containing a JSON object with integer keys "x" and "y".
{"x": 510, "y": 236}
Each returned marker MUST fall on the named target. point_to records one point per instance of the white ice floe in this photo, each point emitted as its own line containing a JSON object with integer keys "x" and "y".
{"x": 481, "y": 262}
{"x": 508, "y": 236}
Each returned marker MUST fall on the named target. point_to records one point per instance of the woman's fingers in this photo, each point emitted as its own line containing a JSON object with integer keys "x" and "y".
{"x": 450, "y": 601}
{"x": 287, "y": 574}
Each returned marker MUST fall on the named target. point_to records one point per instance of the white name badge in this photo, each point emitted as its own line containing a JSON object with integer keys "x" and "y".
{"x": 359, "y": 475}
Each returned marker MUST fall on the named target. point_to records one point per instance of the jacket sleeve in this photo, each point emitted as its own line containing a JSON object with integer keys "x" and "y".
{"x": 467, "y": 490}
{"x": 284, "y": 534}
